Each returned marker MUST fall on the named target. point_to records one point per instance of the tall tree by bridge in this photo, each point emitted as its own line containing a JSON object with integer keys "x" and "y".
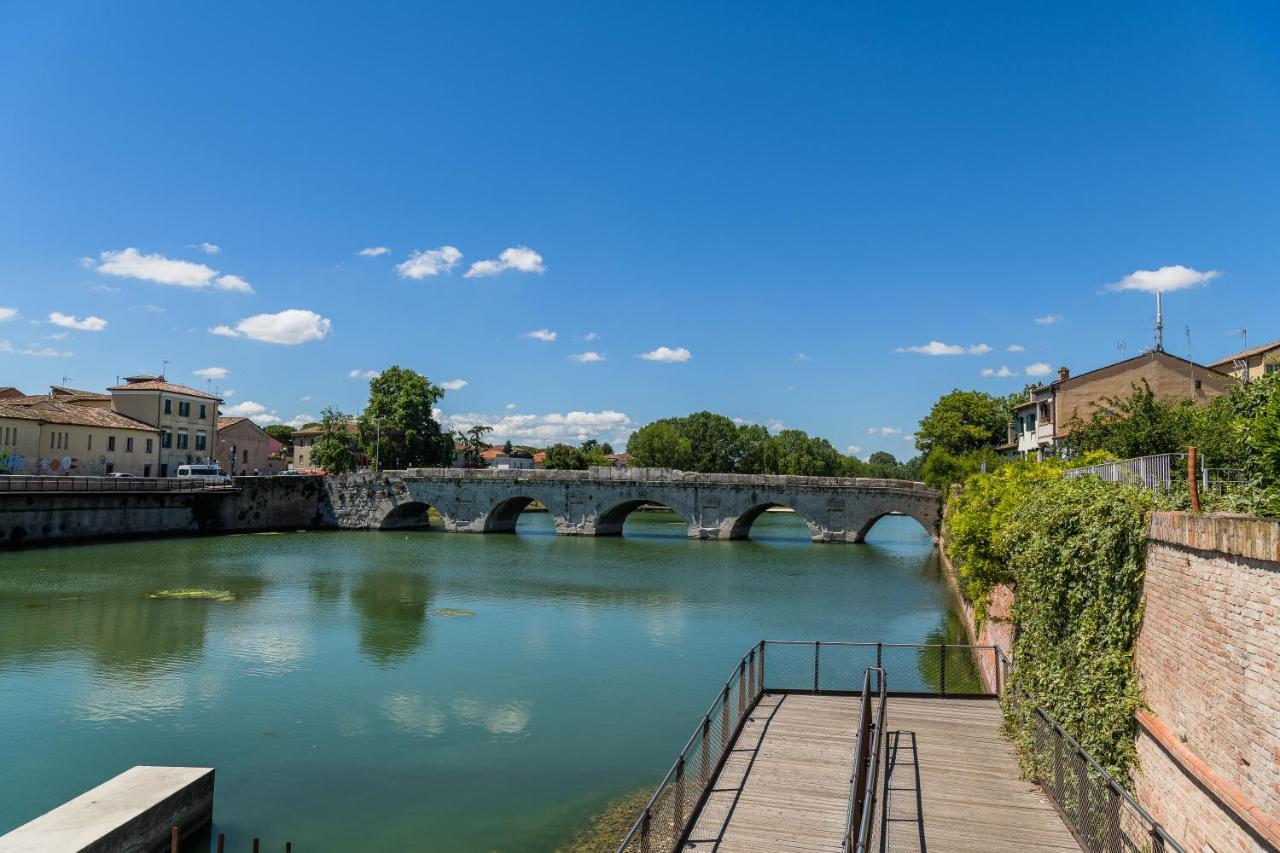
{"x": 398, "y": 425}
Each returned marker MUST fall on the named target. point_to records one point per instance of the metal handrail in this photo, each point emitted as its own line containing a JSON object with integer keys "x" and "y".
{"x": 26, "y": 483}
{"x": 866, "y": 768}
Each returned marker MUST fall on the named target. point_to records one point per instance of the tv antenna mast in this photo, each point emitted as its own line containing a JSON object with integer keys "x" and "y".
{"x": 1190, "y": 357}
{"x": 1120, "y": 345}
{"x": 164, "y": 368}
{"x": 1242, "y": 363}
{"x": 1159, "y": 323}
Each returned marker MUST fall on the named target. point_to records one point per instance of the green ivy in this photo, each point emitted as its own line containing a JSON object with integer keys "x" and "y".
{"x": 1076, "y": 549}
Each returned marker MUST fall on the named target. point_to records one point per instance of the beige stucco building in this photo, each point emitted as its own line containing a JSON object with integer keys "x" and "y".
{"x": 186, "y": 418}
{"x": 1251, "y": 363}
{"x": 243, "y": 447}
{"x": 41, "y": 436}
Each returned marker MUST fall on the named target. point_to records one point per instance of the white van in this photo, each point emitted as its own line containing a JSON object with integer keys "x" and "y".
{"x": 208, "y": 473}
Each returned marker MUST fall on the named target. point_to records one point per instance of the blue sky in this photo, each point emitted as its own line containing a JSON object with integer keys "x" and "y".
{"x": 793, "y": 195}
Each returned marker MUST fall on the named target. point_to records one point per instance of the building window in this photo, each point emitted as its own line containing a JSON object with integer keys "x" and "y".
{"x": 90, "y": 441}
{"x": 168, "y": 406}
{"x": 1270, "y": 367}
{"x": 53, "y": 438}
{"x": 128, "y": 444}
{"x": 203, "y": 414}
{"x": 111, "y": 443}
{"x": 146, "y": 470}
{"x": 148, "y": 447}
{"x": 246, "y": 456}
{"x": 182, "y": 439}
{"x": 184, "y": 409}
{"x": 200, "y": 441}
{"x": 166, "y": 439}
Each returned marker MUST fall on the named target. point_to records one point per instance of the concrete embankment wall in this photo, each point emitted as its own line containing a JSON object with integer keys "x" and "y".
{"x": 259, "y": 503}
{"x": 1208, "y": 656}
{"x": 1209, "y": 664}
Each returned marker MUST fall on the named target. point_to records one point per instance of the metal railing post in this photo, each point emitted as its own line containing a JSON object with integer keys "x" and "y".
{"x": 742, "y": 689}
{"x": 762, "y": 666}
{"x": 817, "y": 654}
{"x": 942, "y": 669}
{"x": 751, "y": 674}
{"x": 644, "y": 830}
{"x": 879, "y": 653}
{"x": 705, "y": 775}
{"x": 724, "y": 719}
{"x": 677, "y": 817}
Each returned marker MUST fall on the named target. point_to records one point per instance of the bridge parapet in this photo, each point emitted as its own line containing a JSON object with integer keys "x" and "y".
{"x": 597, "y": 501}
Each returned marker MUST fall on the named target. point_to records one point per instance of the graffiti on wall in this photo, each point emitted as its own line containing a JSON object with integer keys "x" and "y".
{"x": 12, "y": 461}
{"x": 56, "y": 466}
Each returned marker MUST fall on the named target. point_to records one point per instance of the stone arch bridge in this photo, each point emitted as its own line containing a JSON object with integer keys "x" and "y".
{"x": 597, "y": 502}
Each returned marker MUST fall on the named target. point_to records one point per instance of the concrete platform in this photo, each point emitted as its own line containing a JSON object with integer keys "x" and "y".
{"x": 134, "y": 811}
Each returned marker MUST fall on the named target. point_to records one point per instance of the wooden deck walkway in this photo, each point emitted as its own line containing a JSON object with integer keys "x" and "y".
{"x": 785, "y": 786}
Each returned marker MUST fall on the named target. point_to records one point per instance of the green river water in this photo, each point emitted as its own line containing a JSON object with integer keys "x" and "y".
{"x": 416, "y": 690}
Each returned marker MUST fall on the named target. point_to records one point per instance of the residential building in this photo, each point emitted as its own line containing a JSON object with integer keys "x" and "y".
{"x": 9, "y": 392}
{"x": 187, "y": 418}
{"x": 619, "y": 460}
{"x": 52, "y": 438}
{"x": 1251, "y": 363}
{"x": 94, "y": 399}
{"x": 494, "y": 457}
{"x": 1044, "y": 419}
{"x": 242, "y": 447}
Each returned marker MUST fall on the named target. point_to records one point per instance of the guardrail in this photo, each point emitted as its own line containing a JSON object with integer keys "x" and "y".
{"x": 866, "y": 766}
{"x": 26, "y": 483}
{"x": 1101, "y": 814}
{"x": 1159, "y": 471}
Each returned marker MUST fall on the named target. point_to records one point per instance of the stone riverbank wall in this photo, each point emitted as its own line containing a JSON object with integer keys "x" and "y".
{"x": 257, "y": 503}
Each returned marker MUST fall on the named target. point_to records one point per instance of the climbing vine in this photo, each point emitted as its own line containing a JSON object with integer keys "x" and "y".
{"x": 1076, "y": 550}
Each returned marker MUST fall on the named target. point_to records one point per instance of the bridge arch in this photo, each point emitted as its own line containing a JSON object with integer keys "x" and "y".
{"x": 927, "y": 521}
{"x": 405, "y": 515}
{"x": 504, "y": 515}
{"x": 611, "y": 518}
{"x": 739, "y": 527}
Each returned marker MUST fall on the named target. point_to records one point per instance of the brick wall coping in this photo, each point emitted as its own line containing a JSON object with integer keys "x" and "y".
{"x": 1236, "y": 535}
{"x": 1262, "y": 824}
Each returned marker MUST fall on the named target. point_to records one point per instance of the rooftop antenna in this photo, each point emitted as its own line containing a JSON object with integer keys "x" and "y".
{"x": 66, "y": 379}
{"x": 1244, "y": 346}
{"x": 1190, "y": 357}
{"x": 164, "y": 368}
{"x": 1120, "y": 348}
{"x": 1159, "y": 323}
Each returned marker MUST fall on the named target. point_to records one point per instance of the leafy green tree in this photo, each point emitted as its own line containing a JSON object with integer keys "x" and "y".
{"x": 506, "y": 447}
{"x": 962, "y": 422}
{"x": 802, "y": 455}
{"x": 757, "y": 451}
{"x": 282, "y": 433}
{"x": 714, "y": 440}
{"x": 661, "y": 444}
{"x": 333, "y": 448}
{"x": 564, "y": 457}
{"x": 400, "y": 408}
{"x": 594, "y": 454}
{"x": 474, "y": 445}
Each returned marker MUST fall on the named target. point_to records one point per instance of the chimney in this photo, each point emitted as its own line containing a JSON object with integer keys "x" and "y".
{"x": 1063, "y": 374}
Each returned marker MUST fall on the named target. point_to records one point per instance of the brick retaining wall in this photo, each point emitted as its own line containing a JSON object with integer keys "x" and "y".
{"x": 1209, "y": 663}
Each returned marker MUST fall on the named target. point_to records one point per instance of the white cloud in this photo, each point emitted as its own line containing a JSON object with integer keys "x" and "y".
{"x": 1001, "y": 373}
{"x": 305, "y": 399}
{"x": 356, "y": 373}
{"x": 130, "y": 263}
{"x": 373, "y": 251}
{"x": 852, "y": 450}
{"x": 1176, "y": 277}
{"x": 1048, "y": 319}
{"x": 939, "y": 348}
{"x": 667, "y": 354}
{"x": 8, "y": 314}
{"x": 299, "y": 421}
{"x": 265, "y": 420}
{"x": 884, "y": 430}
{"x": 546, "y": 429}
{"x": 212, "y": 372}
{"x": 57, "y": 336}
{"x": 909, "y": 437}
{"x": 207, "y": 248}
{"x": 541, "y": 335}
{"x": 454, "y": 385}
{"x": 519, "y": 258}
{"x": 105, "y": 288}
{"x": 151, "y": 309}
{"x": 510, "y": 406}
{"x": 247, "y": 409}
{"x": 591, "y": 336}
{"x": 432, "y": 262}
{"x": 588, "y": 357}
{"x": 66, "y": 321}
{"x": 228, "y": 394}
{"x": 288, "y": 327}
{"x": 233, "y": 282}
{"x": 801, "y": 357}
{"x": 1014, "y": 348}
{"x": 1038, "y": 369}
{"x": 42, "y": 352}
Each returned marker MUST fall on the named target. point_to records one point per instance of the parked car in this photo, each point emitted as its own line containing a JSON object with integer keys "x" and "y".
{"x": 208, "y": 473}
{"x": 290, "y": 473}
{"x": 119, "y": 475}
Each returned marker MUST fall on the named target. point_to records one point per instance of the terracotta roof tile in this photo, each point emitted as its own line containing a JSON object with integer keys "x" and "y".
{"x": 65, "y": 413}
{"x": 161, "y": 385}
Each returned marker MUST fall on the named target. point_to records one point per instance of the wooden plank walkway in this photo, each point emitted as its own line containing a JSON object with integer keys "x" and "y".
{"x": 785, "y": 785}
